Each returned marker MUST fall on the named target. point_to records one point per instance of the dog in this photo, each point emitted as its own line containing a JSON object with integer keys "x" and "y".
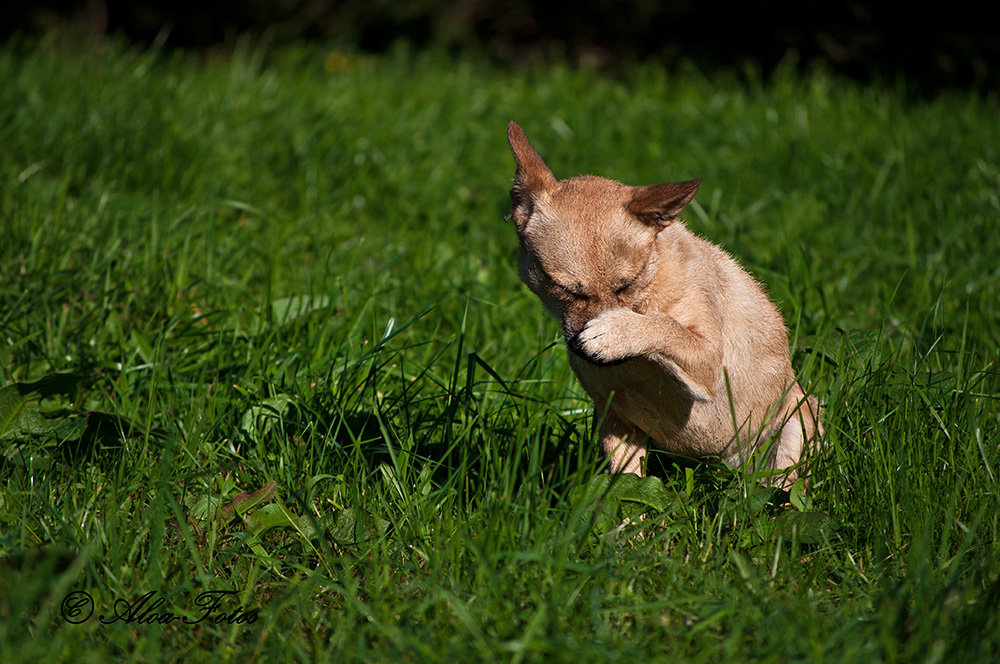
{"x": 675, "y": 343}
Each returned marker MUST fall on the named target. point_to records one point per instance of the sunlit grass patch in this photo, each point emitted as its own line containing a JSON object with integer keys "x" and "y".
{"x": 262, "y": 333}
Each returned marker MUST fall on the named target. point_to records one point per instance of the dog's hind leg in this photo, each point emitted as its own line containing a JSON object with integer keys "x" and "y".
{"x": 798, "y": 440}
{"x": 624, "y": 446}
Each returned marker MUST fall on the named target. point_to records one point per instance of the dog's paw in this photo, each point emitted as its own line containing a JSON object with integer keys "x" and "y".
{"x": 607, "y": 338}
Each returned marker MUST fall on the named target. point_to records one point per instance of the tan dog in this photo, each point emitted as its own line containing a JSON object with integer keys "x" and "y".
{"x": 671, "y": 338}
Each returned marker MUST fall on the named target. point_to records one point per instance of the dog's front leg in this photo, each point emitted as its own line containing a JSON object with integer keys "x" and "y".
{"x": 693, "y": 356}
{"x": 624, "y": 446}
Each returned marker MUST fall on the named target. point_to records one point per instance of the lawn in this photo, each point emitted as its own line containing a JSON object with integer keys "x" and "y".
{"x": 271, "y": 389}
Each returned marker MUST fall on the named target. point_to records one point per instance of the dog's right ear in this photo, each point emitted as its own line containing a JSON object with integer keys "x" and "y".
{"x": 660, "y": 205}
{"x": 532, "y": 177}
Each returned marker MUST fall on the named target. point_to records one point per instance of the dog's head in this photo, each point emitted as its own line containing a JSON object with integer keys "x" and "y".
{"x": 587, "y": 243}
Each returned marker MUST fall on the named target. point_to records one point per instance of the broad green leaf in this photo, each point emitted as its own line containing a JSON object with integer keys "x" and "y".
{"x": 203, "y": 506}
{"x": 798, "y": 497}
{"x": 258, "y": 420}
{"x": 314, "y": 526}
{"x": 19, "y": 412}
{"x": 71, "y": 429}
{"x": 270, "y": 516}
{"x": 246, "y": 501}
{"x": 806, "y": 527}
{"x": 647, "y": 491}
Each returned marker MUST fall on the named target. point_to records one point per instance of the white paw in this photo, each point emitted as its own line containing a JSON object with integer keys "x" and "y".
{"x": 607, "y": 338}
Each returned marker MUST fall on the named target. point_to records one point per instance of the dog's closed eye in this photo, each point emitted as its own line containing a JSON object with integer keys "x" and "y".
{"x": 626, "y": 284}
{"x": 574, "y": 292}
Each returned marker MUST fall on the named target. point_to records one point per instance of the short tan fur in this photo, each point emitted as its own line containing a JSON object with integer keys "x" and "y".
{"x": 676, "y": 344}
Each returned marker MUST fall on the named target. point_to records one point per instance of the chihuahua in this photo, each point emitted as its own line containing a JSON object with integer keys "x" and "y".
{"x": 677, "y": 345}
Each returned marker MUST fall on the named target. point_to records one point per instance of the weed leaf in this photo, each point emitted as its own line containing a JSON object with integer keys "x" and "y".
{"x": 18, "y": 412}
{"x": 806, "y": 527}
{"x": 648, "y": 492}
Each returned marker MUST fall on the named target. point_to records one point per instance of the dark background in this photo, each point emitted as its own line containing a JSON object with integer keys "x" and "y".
{"x": 940, "y": 46}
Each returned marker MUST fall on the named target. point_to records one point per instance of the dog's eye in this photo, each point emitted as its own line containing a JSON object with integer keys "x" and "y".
{"x": 571, "y": 292}
{"x": 623, "y": 286}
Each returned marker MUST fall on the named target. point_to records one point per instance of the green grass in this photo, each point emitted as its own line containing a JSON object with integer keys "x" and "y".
{"x": 262, "y": 332}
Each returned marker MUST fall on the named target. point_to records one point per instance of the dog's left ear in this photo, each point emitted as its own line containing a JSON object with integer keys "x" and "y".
{"x": 661, "y": 204}
{"x": 532, "y": 177}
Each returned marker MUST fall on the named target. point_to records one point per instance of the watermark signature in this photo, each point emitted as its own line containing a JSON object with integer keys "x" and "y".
{"x": 213, "y": 607}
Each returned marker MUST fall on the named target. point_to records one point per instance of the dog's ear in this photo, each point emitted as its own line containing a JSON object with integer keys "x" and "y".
{"x": 532, "y": 176}
{"x": 661, "y": 204}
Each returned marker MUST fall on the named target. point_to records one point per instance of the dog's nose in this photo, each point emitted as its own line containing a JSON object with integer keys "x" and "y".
{"x": 571, "y": 332}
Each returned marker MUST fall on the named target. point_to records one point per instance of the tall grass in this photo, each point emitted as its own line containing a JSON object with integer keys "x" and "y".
{"x": 262, "y": 332}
